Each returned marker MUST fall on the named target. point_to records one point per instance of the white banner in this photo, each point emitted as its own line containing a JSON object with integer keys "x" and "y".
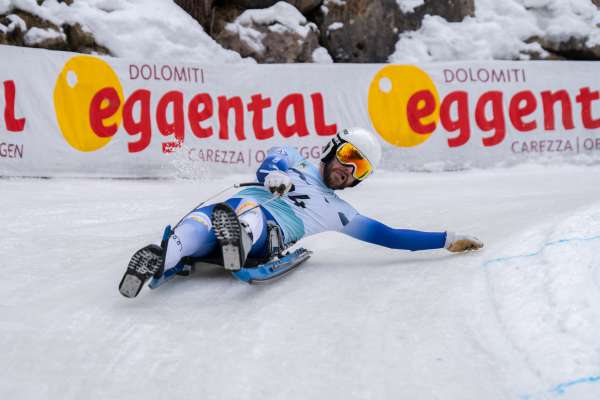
{"x": 66, "y": 114}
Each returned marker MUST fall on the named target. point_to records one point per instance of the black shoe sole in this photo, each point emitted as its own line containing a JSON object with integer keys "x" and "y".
{"x": 144, "y": 264}
{"x": 228, "y": 231}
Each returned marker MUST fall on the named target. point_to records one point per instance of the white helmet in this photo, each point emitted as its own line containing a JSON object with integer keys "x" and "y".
{"x": 364, "y": 141}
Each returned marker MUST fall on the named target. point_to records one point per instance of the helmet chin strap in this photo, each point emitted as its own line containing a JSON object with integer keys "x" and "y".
{"x": 331, "y": 148}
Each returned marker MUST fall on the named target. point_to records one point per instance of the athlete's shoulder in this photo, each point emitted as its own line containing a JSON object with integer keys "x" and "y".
{"x": 284, "y": 151}
{"x": 292, "y": 155}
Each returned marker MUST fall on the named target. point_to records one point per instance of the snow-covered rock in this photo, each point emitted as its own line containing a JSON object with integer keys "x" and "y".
{"x": 367, "y": 30}
{"x": 277, "y": 34}
{"x": 44, "y": 37}
{"x": 22, "y": 28}
{"x": 142, "y": 29}
{"x": 294, "y": 30}
{"x": 302, "y": 5}
{"x": 507, "y": 29}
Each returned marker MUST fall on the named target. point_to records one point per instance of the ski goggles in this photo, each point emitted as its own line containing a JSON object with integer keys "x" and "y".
{"x": 347, "y": 154}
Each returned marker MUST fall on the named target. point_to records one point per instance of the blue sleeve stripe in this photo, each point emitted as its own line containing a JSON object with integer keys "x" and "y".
{"x": 371, "y": 231}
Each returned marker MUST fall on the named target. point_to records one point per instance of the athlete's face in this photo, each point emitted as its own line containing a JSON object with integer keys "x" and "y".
{"x": 338, "y": 176}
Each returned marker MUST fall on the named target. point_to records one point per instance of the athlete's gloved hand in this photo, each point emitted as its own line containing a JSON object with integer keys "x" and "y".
{"x": 278, "y": 182}
{"x": 457, "y": 243}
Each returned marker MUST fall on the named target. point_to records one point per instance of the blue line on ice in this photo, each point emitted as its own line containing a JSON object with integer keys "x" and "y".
{"x": 538, "y": 252}
{"x": 561, "y": 388}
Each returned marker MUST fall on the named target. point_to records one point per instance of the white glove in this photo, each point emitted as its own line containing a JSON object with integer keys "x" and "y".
{"x": 278, "y": 182}
{"x": 457, "y": 243}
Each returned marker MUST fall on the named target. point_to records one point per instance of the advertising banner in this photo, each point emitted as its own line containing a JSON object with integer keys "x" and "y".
{"x": 66, "y": 114}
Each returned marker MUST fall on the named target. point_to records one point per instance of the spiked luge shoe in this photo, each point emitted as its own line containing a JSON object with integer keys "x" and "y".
{"x": 144, "y": 264}
{"x": 234, "y": 238}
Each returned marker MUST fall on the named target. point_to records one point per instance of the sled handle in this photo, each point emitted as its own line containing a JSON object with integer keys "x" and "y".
{"x": 234, "y": 186}
{"x": 246, "y": 184}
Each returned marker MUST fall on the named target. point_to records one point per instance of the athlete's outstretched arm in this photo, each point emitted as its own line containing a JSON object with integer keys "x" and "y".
{"x": 369, "y": 230}
{"x": 372, "y": 231}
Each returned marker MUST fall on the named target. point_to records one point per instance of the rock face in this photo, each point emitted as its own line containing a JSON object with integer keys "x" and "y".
{"x": 367, "y": 30}
{"x": 222, "y": 16}
{"x": 279, "y": 34}
{"x": 201, "y": 10}
{"x": 210, "y": 12}
{"x": 20, "y": 28}
{"x": 571, "y": 49}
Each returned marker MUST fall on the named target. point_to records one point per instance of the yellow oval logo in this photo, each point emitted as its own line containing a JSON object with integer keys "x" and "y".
{"x": 404, "y": 105}
{"x": 80, "y": 80}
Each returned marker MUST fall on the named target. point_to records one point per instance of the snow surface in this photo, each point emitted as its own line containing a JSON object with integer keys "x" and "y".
{"x": 518, "y": 320}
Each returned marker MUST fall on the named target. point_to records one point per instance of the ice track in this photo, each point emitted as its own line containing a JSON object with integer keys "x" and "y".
{"x": 519, "y": 320}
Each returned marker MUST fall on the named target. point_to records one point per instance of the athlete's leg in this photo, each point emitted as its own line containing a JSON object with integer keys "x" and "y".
{"x": 195, "y": 237}
{"x": 255, "y": 223}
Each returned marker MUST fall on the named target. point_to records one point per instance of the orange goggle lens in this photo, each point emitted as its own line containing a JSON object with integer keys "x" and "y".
{"x": 347, "y": 154}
